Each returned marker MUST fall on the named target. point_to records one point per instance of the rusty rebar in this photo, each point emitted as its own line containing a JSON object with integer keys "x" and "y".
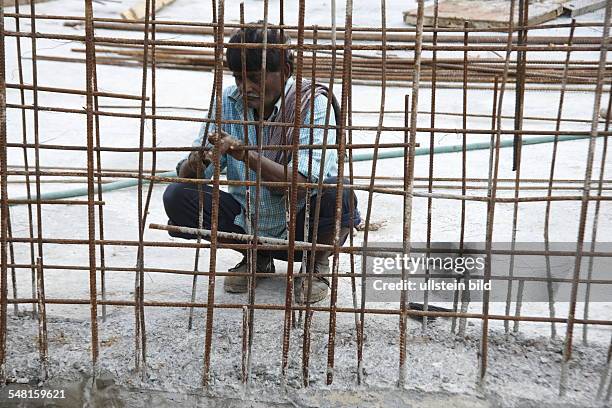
{"x": 214, "y": 218}
{"x": 25, "y": 155}
{"x": 91, "y": 223}
{"x": 43, "y": 341}
{"x": 567, "y": 350}
{"x": 604, "y": 153}
{"x": 141, "y": 335}
{"x": 551, "y": 303}
{"x": 98, "y": 143}
{"x": 293, "y": 191}
{"x": 3, "y": 207}
{"x": 281, "y": 308}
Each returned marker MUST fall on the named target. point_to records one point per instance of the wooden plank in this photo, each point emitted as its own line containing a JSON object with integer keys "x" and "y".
{"x": 577, "y": 8}
{"x": 137, "y": 11}
{"x": 483, "y": 13}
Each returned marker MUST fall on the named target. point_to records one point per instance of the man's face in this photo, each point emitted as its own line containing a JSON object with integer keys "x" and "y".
{"x": 251, "y": 85}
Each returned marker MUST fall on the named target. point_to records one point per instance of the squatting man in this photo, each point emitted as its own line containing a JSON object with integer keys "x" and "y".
{"x": 181, "y": 200}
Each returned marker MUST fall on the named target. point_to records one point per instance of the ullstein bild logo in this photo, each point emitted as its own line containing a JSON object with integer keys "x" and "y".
{"x": 444, "y": 270}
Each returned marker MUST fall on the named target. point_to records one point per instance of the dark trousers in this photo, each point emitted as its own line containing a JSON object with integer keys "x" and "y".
{"x": 181, "y": 204}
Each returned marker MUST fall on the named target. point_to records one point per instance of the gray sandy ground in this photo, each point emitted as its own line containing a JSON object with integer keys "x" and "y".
{"x": 442, "y": 368}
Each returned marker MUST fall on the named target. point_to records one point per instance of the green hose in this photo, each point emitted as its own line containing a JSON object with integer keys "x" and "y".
{"x": 421, "y": 151}
{"x": 82, "y": 191}
{"x": 389, "y": 154}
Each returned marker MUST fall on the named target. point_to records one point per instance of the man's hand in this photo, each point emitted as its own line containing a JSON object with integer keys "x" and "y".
{"x": 228, "y": 144}
{"x": 199, "y": 159}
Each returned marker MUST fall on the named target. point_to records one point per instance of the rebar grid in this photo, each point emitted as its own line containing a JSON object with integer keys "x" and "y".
{"x": 334, "y": 55}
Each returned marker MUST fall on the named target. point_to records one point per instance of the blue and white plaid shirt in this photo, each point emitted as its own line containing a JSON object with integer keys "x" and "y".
{"x": 272, "y": 211}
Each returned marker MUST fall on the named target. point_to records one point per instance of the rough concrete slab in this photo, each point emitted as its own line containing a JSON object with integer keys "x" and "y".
{"x": 483, "y": 14}
{"x": 577, "y": 8}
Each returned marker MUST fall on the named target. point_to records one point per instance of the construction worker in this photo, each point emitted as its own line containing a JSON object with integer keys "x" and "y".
{"x": 181, "y": 200}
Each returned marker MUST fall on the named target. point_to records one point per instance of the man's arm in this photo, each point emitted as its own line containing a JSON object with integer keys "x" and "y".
{"x": 275, "y": 172}
{"x": 270, "y": 170}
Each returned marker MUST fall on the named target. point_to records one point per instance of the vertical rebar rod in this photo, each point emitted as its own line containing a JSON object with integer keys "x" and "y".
{"x": 148, "y": 17}
{"x": 352, "y": 208}
{"x": 502, "y": 89}
{"x": 432, "y": 134}
{"x": 35, "y": 111}
{"x": 12, "y": 260}
{"x": 306, "y": 335}
{"x": 297, "y": 123}
{"x": 24, "y": 133}
{"x": 98, "y": 144}
{"x": 602, "y": 169}
{"x": 519, "y": 304}
{"x": 3, "y": 204}
{"x": 346, "y": 94}
{"x": 331, "y": 343}
{"x": 140, "y": 337}
{"x": 26, "y": 168}
{"x": 251, "y": 258}
{"x": 307, "y": 209}
{"x": 285, "y": 153}
{"x": 518, "y": 126}
{"x": 492, "y": 159}
{"x": 549, "y": 285}
{"x": 259, "y": 130}
{"x": 491, "y": 193}
{"x": 521, "y": 66}
{"x": 409, "y": 173}
{"x": 372, "y": 180}
{"x": 515, "y": 211}
{"x": 406, "y": 221}
{"x": 346, "y": 58}
{"x": 91, "y": 223}
{"x": 464, "y": 116}
{"x": 214, "y": 218}
{"x": 43, "y": 342}
{"x": 201, "y": 195}
{"x": 567, "y": 350}
{"x": 465, "y": 294}
{"x": 245, "y": 339}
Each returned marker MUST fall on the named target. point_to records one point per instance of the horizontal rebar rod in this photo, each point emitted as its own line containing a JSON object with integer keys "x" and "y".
{"x": 284, "y": 274}
{"x": 270, "y": 307}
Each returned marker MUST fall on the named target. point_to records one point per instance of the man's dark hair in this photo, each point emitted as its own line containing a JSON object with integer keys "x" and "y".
{"x": 255, "y": 35}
